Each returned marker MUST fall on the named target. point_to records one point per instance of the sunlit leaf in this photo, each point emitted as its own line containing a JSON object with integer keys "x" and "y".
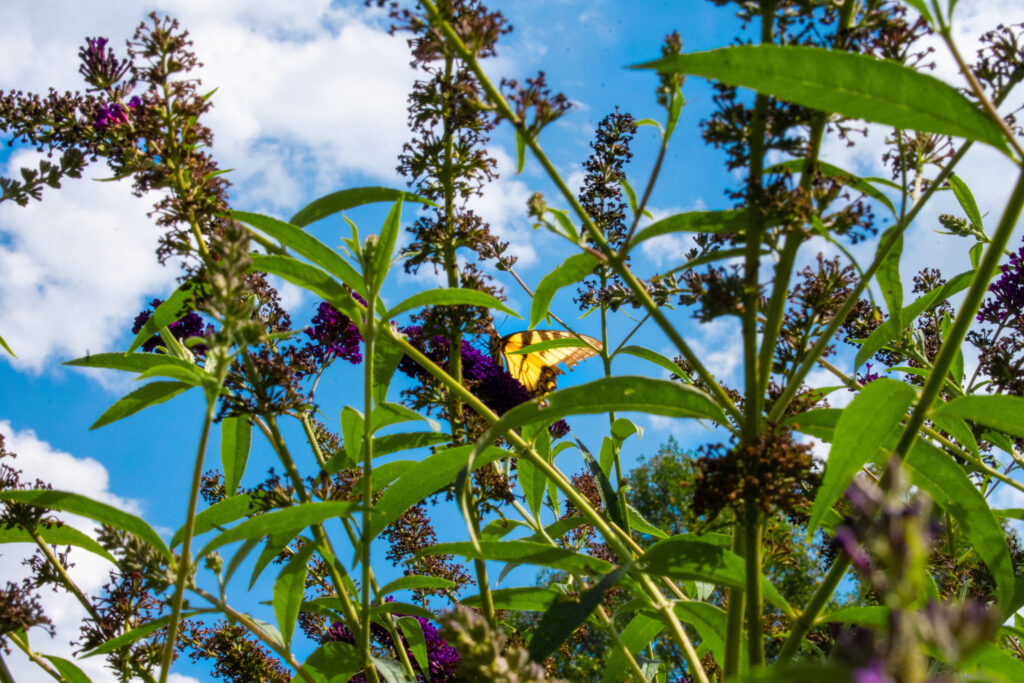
{"x": 835, "y": 81}
{"x": 235, "y": 439}
{"x": 296, "y": 518}
{"x": 450, "y": 297}
{"x": 571, "y": 270}
{"x": 524, "y": 552}
{"x": 148, "y": 395}
{"x": 78, "y": 504}
{"x": 343, "y": 200}
{"x": 863, "y": 427}
{"x": 289, "y": 590}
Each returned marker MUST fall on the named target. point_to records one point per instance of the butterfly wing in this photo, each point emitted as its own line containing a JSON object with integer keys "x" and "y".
{"x": 537, "y": 371}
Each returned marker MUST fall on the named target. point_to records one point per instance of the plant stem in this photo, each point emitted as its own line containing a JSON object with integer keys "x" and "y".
{"x": 369, "y": 343}
{"x": 34, "y": 656}
{"x": 185, "y": 561}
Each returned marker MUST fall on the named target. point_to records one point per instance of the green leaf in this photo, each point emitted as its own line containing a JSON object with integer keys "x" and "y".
{"x": 5, "y": 347}
{"x": 274, "y": 546}
{"x": 413, "y": 633}
{"x": 306, "y": 245}
{"x": 835, "y": 81}
{"x": 309, "y": 278}
{"x": 217, "y": 515}
{"x": 845, "y": 177}
{"x": 128, "y": 362}
{"x": 630, "y": 196}
{"x": 352, "y": 436}
{"x": 949, "y": 486}
{"x": 386, "y": 357}
{"x": 167, "y": 312}
{"x": 639, "y": 632}
{"x": 289, "y": 591}
{"x": 532, "y": 480}
{"x": 386, "y": 243}
{"x": 407, "y": 583}
{"x": 710, "y": 622}
{"x": 401, "y": 608}
{"x": 956, "y": 369}
{"x": 727, "y": 222}
{"x": 236, "y": 560}
{"x": 521, "y": 598}
{"x": 293, "y": 518}
{"x": 991, "y": 661}
{"x": 343, "y": 200}
{"x": 520, "y": 151}
{"x": 87, "y": 507}
{"x": 189, "y": 374}
{"x": 966, "y": 198}
{"x": 387, "y": 414}
{"x": 564, "y": 343}
{"x": 888, "y": 276}
{"x": 68, "y": 669}
{"x": 638, "y": 523}
{"x": 887, "y": 331}
{"x": 656, "y": 358}
{"x": 391, "y": 670}
{"x": 524, "y": 552}
{"x": 920, "y": 6}
{"x": 871, "y": 615}
{"x": 385, "y": 445}
{"x": 455, "y": 296}
{"x": 141, "y": 632}
{"x": 332, "y": 662}
{"x": 563, "y": 616}
{"x": 702, "y": 558}
{"x": 572, "y": 270}
{"x": 426, "y": 477}
{"x": 235, "y": 439}
{"x": 863, "y": 427}
{"x": 642, "y": 394}
{"x": 1003, "y": 413}
{"x": 56, "y": 535}
{"x": 609, "y": 499}
{"x": 151, "y": 394}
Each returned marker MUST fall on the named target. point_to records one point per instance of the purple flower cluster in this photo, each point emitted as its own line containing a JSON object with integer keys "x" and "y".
{"x": 1007, "y": 291}
{"x": 191, "y": 325}
{"x": 442, "y": 658}
{"x": 334, "y": 336}
{"x": 100, "y": 66}
{"x": 113, "y": 114}
{"x": 484, "y": 375}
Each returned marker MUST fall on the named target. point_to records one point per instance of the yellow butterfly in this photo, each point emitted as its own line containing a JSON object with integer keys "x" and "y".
{"x": 537, "y": 371}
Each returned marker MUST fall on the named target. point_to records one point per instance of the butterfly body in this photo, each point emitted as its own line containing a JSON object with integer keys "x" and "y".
{"x": 538, "y": 370}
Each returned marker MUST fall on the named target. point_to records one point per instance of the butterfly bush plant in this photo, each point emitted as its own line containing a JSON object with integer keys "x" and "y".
{"x": 760, "y": 562}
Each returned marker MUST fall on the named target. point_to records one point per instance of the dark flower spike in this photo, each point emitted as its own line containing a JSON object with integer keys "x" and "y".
{"x": 100, "y": 66}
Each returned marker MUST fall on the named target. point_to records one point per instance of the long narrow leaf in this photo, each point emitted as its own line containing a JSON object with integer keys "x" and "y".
{"x": 572, "y": 270}
{"x": 78, "y": 504}
{"x": 835, "y": 81}
{"x": 151, "y": 394}
{"x": 343, "y": 200}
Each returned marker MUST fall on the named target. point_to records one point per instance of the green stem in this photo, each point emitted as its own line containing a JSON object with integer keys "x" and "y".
{"x": 752, "y": 558}
{"x": 34, "y": 656}
{"x": 65, "y": 578}
{"x": 734, "y": 611}
{"x": 185, "y": 561}
{"x": 5, "y": 673}
{"x": 613, "y": 633}
{"x": 369, "y": 341}
{"x": 805, "y": 622}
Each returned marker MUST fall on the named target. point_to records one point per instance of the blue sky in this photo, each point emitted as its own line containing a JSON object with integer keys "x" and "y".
{"x": 311, "y": 99}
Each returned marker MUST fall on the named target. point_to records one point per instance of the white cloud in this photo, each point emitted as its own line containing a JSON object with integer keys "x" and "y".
{"x": 36, "y": 458}
{"x": 720, "y": 347}
{"x": 75, "y": 269}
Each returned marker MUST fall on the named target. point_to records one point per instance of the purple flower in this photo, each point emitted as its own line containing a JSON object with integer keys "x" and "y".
{"x": 108, "y": 116}
{"x": 191, "y": 325}
{"x": 486, "y": 377}
{"x": 874, "y": 672}
{"x": 1007, "y": 300}
{"x": 100, "y": 66}
{"x": 442, "y": 658}
{"x": 846, "y": 538}
{"x": 333, "y": 336}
